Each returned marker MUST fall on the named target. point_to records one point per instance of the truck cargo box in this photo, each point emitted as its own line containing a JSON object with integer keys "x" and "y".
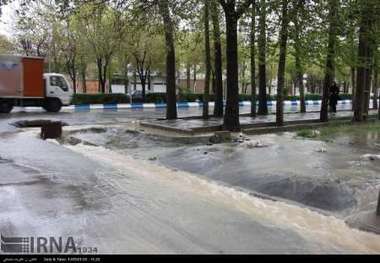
{"x": 21, "y": 77}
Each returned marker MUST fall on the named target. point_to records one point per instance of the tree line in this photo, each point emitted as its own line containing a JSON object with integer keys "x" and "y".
{"x": 247, "y": 42}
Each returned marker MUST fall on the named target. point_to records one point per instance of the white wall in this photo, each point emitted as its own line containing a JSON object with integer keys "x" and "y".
{"x": 156, "y": 88}
{"x": 118, "y": 89}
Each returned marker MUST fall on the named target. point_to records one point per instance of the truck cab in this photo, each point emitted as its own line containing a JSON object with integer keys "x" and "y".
{"x": 57, "y": 86}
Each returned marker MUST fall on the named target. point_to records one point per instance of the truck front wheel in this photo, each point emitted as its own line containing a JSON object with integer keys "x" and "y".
{"x": 5, "y": 106}
{"x": 52, "y": 105}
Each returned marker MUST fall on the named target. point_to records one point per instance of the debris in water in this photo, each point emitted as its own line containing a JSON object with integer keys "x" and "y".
{"x": 258, "y": 144}
{"x": 371, "y": 157}
{"x": 322, "y": 150}
{"x": 89, "y": 144}
{"x": 95, "y": 130}
{"x": 153, "y": 159}
{"x": 240, "y": 139}
{"x": 3, "y": 160}
{"x": 132, "y": 132}
{"x": 220, "y": 137}
{"x": 73, "y": 141}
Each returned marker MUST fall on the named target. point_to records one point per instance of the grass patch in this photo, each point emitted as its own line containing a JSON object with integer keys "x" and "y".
{"x": 334, "y": 129}
{"x": 307, "y": 133}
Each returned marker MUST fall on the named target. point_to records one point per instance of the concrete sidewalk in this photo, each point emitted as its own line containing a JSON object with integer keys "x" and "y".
{"x": 191, "y": 126}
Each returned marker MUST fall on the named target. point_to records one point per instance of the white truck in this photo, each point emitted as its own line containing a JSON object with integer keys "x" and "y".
{"x": 23, "y": 83}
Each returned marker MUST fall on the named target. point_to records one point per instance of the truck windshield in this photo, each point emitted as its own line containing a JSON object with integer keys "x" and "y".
{"x": 59, "y": 81}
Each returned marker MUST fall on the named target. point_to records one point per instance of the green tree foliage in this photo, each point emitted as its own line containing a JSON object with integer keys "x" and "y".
{"x": 104, "y": 28}
{"x": 6, "y": 45}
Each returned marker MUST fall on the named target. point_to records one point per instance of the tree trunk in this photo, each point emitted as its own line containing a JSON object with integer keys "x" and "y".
{"x": 98, "y": 64}
{"x": 207, "y": 59}
{"x": 75, "y": 85}
{"x": 344, "y": 87}
{"x": 143, "y": 87}
{"x": 378, "y": 116}
{"x": 282, "y": 64}
{"x": 353, "y": 83}
{"x": 263, "y": 106}
{"x": 365, "y": 60}
{"x": 72, "y": 70}
{"x": 171, "y": 112}
{"x": 298, "y": 55}
{"x": 126, "y": 78}
{"x": 142, "y": 69}
{"x": 301, "y": 87}
{"x": 270, "y": 86}
{"x": 109, "y": 73}
{"x": 375, "y": 82}
{"x": 218, "y": 64}
{"x": 149, "y": 77}
{"x": 213, "y": 85}
{"x": 135, "y": 79}
{"x": 242, "y": 69}
{"x": 83, "y": 77}
{"x": 104, "y": 79}
{"x": 231, "y": 117}
{"x": 330, "y": 60}
{"x": 102, "y": 85}
{"x": 195, "y": 78}
{"x": 253, "y": 61}
{"x": 188, "y": 77}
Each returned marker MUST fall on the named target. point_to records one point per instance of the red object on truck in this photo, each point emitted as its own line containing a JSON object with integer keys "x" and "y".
{"x": 22, "y": 77}
{"x": 33, "y": 77}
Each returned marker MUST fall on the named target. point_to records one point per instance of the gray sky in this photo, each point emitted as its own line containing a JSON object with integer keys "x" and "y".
{"x": 7, "y": 18}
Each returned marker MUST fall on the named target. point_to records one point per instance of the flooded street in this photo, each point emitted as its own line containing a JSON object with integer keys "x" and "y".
{"x": 328, "y": 176}
{"x": 105, "y": 200}
{"x": 333, "y": 176}
{"x": 125, "y": 191}
{"x": 333, "y": 233}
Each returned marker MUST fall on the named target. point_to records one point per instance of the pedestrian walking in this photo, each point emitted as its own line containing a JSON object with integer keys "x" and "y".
{"x": 334, "y": 97}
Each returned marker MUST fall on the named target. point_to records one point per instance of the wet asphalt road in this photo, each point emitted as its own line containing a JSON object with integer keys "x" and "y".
{"x": 119, "y": 116}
